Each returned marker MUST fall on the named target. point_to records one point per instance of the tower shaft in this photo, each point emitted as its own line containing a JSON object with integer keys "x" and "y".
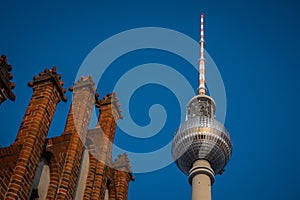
{"x": 201, "y": 178}
{"x": 201, "y": 189}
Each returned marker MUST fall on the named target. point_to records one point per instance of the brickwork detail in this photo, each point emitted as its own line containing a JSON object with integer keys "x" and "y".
{"x": 77, "y": 125}
{"x": 63, "y": 153}
{"x": 8, "y": 160}
{"x": 102, "y": 173}
{"x": 33, "y": 131}
{"x": 121, "y": 176}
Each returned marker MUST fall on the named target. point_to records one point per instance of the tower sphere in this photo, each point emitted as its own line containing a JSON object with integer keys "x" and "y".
{"x": 201, "y": 136}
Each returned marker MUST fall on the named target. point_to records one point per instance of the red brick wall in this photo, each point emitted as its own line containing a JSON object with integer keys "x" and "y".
{"x": 8, "y": 160}
{"x": 32, "y": 134}
{"x": 121, "y": 181}
{"x": 58, "y": 147}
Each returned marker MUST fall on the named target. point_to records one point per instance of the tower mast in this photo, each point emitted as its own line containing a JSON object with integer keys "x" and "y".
{"x": 201, "y": 89}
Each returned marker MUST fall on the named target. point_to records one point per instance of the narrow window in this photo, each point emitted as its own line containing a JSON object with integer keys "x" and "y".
{"x": 41, "y": 181}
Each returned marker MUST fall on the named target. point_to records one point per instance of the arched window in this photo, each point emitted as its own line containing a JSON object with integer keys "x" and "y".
{"x": 106, "y": 197}
{"x": 83, "y": 173}
{"x": 41, "y": 181}
{"x": 108, "y": 184}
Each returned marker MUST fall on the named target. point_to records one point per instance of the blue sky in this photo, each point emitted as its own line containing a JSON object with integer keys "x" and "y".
{"x": 255, "y": 45}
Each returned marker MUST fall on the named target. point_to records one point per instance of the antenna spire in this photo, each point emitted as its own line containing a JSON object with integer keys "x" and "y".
{"x": 201, "y": 89}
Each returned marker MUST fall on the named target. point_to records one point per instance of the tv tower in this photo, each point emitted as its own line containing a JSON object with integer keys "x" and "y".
{"x": 201, "y": 146}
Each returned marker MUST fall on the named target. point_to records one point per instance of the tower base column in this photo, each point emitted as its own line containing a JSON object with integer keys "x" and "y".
{"x": 201, "y": 177}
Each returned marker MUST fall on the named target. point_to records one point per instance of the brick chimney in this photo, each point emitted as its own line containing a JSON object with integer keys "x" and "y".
{"x": 47, "y": 92}
{"x": 77, "y": 125}
{"x": 110, "y": 113}
{"x": 122, "y": 176}
{"x": 100, "y": 140}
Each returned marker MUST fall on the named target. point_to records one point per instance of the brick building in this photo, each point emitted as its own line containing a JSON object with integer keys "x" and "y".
{"x": 6, "y": 86}
{"x": 75, "y": 165}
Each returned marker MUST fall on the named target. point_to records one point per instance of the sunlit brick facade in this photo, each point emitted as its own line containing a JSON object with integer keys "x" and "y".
{"x": 75, "y": 165}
